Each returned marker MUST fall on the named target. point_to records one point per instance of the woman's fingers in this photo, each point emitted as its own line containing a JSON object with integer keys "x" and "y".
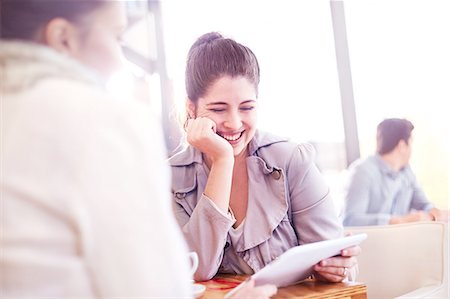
{"x": 332, "y": 273}
{"x": 351, "y": 251}
{"x": 338, "y": 261}
{"x": 201, "y": 134}
{"x": 336, "y": 268}
{"x": 200, "y": 130}
{"x": 325, "y": 276}
{"x": 266, "y": 291}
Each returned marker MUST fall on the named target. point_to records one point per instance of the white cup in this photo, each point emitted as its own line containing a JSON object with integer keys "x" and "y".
{"x": 193, "y": 259}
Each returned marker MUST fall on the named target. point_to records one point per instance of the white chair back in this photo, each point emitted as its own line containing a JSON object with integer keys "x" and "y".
{"x": 400, "y": 259}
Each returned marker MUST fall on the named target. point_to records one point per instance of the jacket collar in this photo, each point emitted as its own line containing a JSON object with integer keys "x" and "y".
{"x": 190, "y": 155}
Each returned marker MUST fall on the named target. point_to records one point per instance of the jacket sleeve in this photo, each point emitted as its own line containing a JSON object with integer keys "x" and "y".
{"x": 357, "y": 200}
{"x": 206, "y": 232}
{"x": 314, "y": 215}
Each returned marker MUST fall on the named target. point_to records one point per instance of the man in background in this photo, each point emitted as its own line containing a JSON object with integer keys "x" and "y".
{"x": 383, "y": 188}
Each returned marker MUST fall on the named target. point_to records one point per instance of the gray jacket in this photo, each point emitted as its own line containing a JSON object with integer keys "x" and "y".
{"x": 289, "y": 204}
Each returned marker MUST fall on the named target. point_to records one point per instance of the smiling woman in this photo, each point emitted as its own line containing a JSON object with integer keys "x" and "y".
{"x": 255, "y": 195}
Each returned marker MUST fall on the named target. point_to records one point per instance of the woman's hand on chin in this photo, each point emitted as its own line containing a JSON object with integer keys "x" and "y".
{"x": 201, "y": 134}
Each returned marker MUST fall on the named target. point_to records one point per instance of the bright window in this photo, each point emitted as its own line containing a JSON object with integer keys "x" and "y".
{"x": 400, "y": 60}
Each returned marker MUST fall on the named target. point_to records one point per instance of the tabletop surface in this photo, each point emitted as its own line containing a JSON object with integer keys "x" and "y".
{"x": 221, "y": 284}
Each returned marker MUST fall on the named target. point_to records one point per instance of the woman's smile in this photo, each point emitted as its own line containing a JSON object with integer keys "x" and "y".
{"x": 232, "y": 138}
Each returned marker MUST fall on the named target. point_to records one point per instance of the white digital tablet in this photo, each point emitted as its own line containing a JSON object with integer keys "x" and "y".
{"x": 297, "y": 263}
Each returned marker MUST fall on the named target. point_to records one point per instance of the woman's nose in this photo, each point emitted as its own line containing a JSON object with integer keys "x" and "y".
{"x": 233, "y": 121}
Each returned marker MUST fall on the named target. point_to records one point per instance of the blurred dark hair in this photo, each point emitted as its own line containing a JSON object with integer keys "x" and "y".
{"x": 390, "y": 132}
{"x": 213, "y": 56}
{"x": 23, "y": 19}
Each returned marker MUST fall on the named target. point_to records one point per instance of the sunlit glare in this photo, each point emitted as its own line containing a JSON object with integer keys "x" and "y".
{"x": 400, "y": 65}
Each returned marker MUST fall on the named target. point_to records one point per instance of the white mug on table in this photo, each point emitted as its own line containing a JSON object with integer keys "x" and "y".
{"x": 193, "y": 259}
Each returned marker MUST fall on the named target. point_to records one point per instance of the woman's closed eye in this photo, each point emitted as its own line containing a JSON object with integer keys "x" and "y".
{"x": 217, "y": 110}
{"x": 247, "y": 108}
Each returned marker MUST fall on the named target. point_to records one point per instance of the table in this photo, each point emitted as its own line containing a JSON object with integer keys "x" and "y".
{"x": 217, "y": 287}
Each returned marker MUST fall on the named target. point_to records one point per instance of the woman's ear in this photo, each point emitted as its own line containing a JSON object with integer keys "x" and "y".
{"x": 61, "y": 35}
{"x": 191, "y": 108}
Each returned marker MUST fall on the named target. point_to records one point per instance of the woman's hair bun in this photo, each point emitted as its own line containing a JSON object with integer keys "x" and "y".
{"x": 207, "y": 38}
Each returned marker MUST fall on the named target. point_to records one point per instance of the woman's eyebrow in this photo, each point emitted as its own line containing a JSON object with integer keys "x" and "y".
{"x": 216, "y": 103}
{"x": 248, "y": 101}
{"x": 225, "y": 103}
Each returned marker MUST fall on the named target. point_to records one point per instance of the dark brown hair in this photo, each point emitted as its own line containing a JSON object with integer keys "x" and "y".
{"x": 213, "y": 56}
{"x": 389, "y": 133}
{"x": 23, "y": 19}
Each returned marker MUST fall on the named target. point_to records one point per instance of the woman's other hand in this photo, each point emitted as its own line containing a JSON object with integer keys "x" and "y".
{"x": 337, "y": 268}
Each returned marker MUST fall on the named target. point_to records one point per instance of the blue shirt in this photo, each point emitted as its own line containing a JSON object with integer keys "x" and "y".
{"x": 376, "y": 192}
